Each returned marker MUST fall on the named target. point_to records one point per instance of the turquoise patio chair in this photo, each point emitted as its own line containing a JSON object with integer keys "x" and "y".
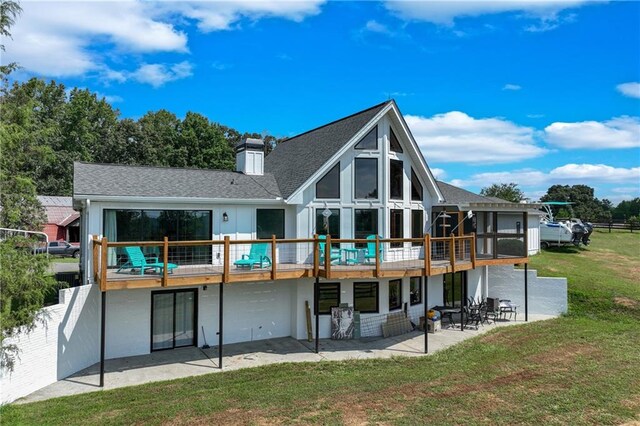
{"x": 371, "y": 249}
{"x": 138, "y": 261}
{"x": 335, "y": 255}
{"x": 257, "y": 256}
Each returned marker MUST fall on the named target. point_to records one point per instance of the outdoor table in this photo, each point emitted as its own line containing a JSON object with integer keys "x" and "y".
{"x": 352, "y": 255}
{"x": 448, "y": 312}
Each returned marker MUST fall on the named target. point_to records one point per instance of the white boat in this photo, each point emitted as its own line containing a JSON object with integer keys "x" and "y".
{"x": 554, "y": 233}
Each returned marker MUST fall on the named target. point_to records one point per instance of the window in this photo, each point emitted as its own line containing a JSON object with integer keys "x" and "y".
{"x": 370, "y": 141}
{"x": 366, "y": 178}
{"x": 394, "y": 144}
{"x": 328, "y": 225}
{"x": 395, "y": 223}
{"x": 365, "y": 297}
{"x": 270, "y": 222}
{"x": 365, "y": 224}
{"x": 415, "y": 290}
{"x": 395, "y": 294}
{"x": 154, "y": 225}
{"x": 329, "y": 297}
{"x": 396, "y": 174}
{"x": 417, "y": 225}
{"x": 416, "y": 187}
{"x": 329, "y": 185}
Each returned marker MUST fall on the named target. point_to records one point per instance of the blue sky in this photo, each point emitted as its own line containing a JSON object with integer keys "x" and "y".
{"x": 533, "y": 92}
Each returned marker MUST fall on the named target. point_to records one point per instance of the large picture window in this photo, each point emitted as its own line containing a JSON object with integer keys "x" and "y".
{"x": 416, "y": 187}
{"x": 394, "y": 144}
{"x": 417, "y": 225}
{"x": 365, "y": 224}
{"x": 329, "y": 297}
{"x": 396, "y": 175}
{"x": 154, "y": 225}
{"x": 370, "y": 141}
{"x": 396, "y": 226}
{"x": 329, "y": 185}
{"x": 395, "y": 294}
{"x": 365, "y": 297}
{"x": 366, "y": 178}
{"x": 270, "y": 222}
{"x": 415, "y": 290}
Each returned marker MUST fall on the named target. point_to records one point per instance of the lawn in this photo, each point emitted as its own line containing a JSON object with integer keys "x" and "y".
{"x": 583, "y": 368}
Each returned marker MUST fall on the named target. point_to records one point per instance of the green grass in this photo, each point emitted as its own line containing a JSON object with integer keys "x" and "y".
{"x": 55, "y": 259}
{"x": 583, "y": 368}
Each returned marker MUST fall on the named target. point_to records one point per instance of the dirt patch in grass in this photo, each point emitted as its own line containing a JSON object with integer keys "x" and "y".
{"x": 626, "y": 302}
{"x": 564, "y": 356}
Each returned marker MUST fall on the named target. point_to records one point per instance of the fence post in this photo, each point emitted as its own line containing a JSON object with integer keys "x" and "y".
{"x": 165, "y": 262}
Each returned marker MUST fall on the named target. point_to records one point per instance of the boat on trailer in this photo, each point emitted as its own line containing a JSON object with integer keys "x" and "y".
{"x": 559, "y": 233}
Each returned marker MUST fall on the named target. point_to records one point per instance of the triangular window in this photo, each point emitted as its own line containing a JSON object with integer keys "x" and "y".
{"x": 370, "y": 141}
{"x": 394, "y": 144}
{"x": 329, "y": 185}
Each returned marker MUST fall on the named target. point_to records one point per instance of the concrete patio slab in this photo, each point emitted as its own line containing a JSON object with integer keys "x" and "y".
{"x": 191, "y": 361}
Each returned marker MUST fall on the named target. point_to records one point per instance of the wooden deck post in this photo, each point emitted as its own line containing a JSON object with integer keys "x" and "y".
{"x": 377, "y": 255}
{"x": 473, "y": 250}
{"x": 327, "y": 257}
{"x": 452, "y": 252}
{"x": 226, "y": 257}
{"x": 165, "y": 262}
{"x": 316, "y": 255}
{"x": 104, "y": 254}
{"x": 274, "y": 261}
{"x": 427, "y": 255}
{"x": 96, "y": 257}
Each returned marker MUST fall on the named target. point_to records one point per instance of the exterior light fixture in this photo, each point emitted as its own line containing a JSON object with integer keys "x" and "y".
{"x": 225, "y": 217}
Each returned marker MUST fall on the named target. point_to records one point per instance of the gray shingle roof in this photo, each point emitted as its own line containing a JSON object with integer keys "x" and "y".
{"x": 454, "y": 195}
{"x": 295, "y": 160}
{"x": 140, "y": 181}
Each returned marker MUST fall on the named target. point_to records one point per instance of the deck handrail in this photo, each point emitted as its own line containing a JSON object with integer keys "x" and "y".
{"x": 315, "y": 264}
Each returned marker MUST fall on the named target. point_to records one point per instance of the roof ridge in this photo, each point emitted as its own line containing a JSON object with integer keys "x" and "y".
{"x": 338, "y": 120}
{"x": 142, "y": 166}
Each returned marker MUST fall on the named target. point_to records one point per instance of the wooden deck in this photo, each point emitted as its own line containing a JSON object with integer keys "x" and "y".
{"x": 225, "y": 271}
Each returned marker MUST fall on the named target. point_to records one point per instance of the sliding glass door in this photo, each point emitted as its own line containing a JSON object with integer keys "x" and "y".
{"x": 173, "y": 319}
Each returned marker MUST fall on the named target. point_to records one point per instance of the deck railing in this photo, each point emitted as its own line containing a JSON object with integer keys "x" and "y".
{"x": 174, "y": 263}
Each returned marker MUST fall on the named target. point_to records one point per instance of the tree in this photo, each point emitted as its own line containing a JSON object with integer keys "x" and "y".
{"x": 9, "y": 11}
{"x": 627, "y": 208}
{"x": 20, "y": 206}
{"x": 584, "y": 203}
{"x": 506, "y": 191}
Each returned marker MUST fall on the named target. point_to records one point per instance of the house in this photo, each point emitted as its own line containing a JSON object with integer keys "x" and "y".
{"x": 394, "y": 239}
{"x": 62, "y": 222}
{"x": 345, "y": 214}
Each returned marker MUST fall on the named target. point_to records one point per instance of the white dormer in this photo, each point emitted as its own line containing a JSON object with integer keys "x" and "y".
{"x": 250, "y": 157}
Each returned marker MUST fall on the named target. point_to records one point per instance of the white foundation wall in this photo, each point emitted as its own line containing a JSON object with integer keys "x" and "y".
{"x": 475, "y": 281}
{"x": 304, "y": 292}
{"x": 68, "y": 341}
{"x": 252, "y": 311}
{"x": 547, "y": 296}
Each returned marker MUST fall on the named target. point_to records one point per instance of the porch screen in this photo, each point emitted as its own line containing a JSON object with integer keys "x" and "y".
{"x": 154, "y": 225}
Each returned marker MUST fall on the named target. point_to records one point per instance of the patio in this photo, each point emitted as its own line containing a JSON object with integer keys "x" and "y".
{"x": 192, "y": 361}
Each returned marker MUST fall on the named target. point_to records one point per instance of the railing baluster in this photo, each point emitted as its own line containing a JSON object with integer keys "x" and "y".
{"x": 316, "y": 255}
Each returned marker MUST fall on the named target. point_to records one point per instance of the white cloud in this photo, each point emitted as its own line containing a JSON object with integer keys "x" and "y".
{"x": 376, "y": 27}
{"x": 619, "y": 132}
{"x": 159, "y": 74}
{"x": 446, "y": 12}
{"x": 438, "y": 173}
{"x": 112, "y": 99}
{"x": 75, "y": 38}
{"x": 510, "y": 86}
{"x": 456, "y": 137}
{"x": 590, "y": 174}
{"x": 218, "y": 15}
{"x": 56, "y": 38}
{"x": 631, "y": 89}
